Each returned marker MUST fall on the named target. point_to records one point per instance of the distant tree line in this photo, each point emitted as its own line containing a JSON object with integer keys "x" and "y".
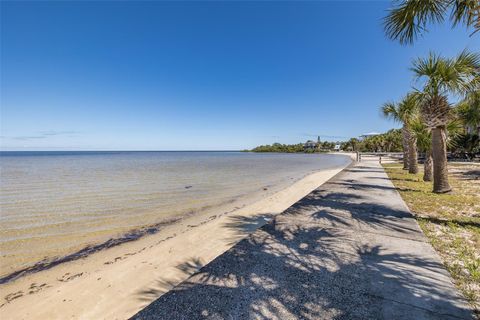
{"x": 279, "y": 147}
{"x": 323, "y": 146}
{"x": 461, "y": 144}
{"x": 390, "y": 141}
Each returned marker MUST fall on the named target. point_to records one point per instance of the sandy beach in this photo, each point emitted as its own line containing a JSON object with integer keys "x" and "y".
{"x": 118, "y": 282}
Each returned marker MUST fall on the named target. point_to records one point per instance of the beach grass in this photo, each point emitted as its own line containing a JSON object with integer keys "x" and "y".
{"x": 450, "y": 221}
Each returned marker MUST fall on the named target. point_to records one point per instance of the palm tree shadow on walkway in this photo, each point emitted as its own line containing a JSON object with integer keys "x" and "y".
{"x": 333, "y": 255}
{"x": 291, "y": 272}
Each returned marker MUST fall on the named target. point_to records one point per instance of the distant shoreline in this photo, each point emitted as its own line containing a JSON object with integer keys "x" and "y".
{"x": 24, "y": 152}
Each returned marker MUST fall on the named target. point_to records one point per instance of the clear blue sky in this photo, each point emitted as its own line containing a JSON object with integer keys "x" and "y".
{"x": 213, "y": 75}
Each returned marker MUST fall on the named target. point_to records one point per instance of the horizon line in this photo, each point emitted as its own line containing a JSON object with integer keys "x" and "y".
{"x": 124, "y": 150}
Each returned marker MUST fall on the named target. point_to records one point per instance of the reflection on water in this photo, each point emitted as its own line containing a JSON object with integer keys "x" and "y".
{"x": 55, "y": 203}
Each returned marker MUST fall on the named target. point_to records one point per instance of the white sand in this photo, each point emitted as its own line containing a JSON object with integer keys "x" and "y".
{"x": 118, "y": 282}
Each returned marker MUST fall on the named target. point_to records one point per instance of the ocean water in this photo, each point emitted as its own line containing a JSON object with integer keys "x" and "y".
{"x": 56, "y": 203}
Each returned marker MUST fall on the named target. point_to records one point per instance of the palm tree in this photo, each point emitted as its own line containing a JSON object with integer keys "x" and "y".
{"x": 405, "y": 112}
{"x": 391, "y": 110}
{"x": 468, "y": 114}
{"x": 352, "y": 143}
{"x": 394, "y": 140}
{"x": 409, "y": 18}
{"x": 390, "y": 140}
{"x": 468, "y": 111}
{"x": 424, "y": 143}
{"x": 466, "y": 144}
{"x": 441, "y": 77}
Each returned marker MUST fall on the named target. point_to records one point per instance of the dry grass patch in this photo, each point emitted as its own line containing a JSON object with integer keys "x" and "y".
{"x": 450, "y": 221}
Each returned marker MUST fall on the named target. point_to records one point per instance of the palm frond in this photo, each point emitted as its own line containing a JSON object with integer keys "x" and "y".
{"x": 404, "y": 111}
{"x": 468, "y": 110}
{"x": 390, "y": 111}
{"x": 422, "y": 133}
{"x": 441, "y": 76}
{"x": 466, "y": 12}
{"x": 410, "y": 17}
{"x": 461, "y": 74}
{"x": 426, "y": 67}
{"x": 409, "y": 108}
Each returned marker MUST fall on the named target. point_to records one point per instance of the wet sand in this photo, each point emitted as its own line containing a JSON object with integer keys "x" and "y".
{"x": 117, "y": 282}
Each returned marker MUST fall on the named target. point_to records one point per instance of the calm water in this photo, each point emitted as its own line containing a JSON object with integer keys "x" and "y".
{"x": 54, "y": 203}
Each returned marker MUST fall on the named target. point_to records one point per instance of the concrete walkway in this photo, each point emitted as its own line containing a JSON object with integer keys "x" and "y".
{"x": 349, "y": 250}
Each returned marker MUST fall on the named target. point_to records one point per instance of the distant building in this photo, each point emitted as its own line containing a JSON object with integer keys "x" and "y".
{"x": 337, "y": 147}
{"x": 310, "y": 145}
{"x": 370, "y": 134}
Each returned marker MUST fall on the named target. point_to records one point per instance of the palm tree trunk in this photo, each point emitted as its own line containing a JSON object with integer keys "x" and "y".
{"x": 405, "y": 147}
{"x": 439, "y": 154}
{"x": 412, "y": 154}
{"x": 427, "y": 166}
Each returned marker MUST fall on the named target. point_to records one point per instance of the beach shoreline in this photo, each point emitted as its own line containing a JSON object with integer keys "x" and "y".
{"x": 117, "y": 282}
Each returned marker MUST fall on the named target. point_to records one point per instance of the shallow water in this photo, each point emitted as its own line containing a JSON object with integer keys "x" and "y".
{"x": 54, "y": 203}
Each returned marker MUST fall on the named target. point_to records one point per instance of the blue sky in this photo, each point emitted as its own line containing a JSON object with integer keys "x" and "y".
{"x": 200, "y": 76}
